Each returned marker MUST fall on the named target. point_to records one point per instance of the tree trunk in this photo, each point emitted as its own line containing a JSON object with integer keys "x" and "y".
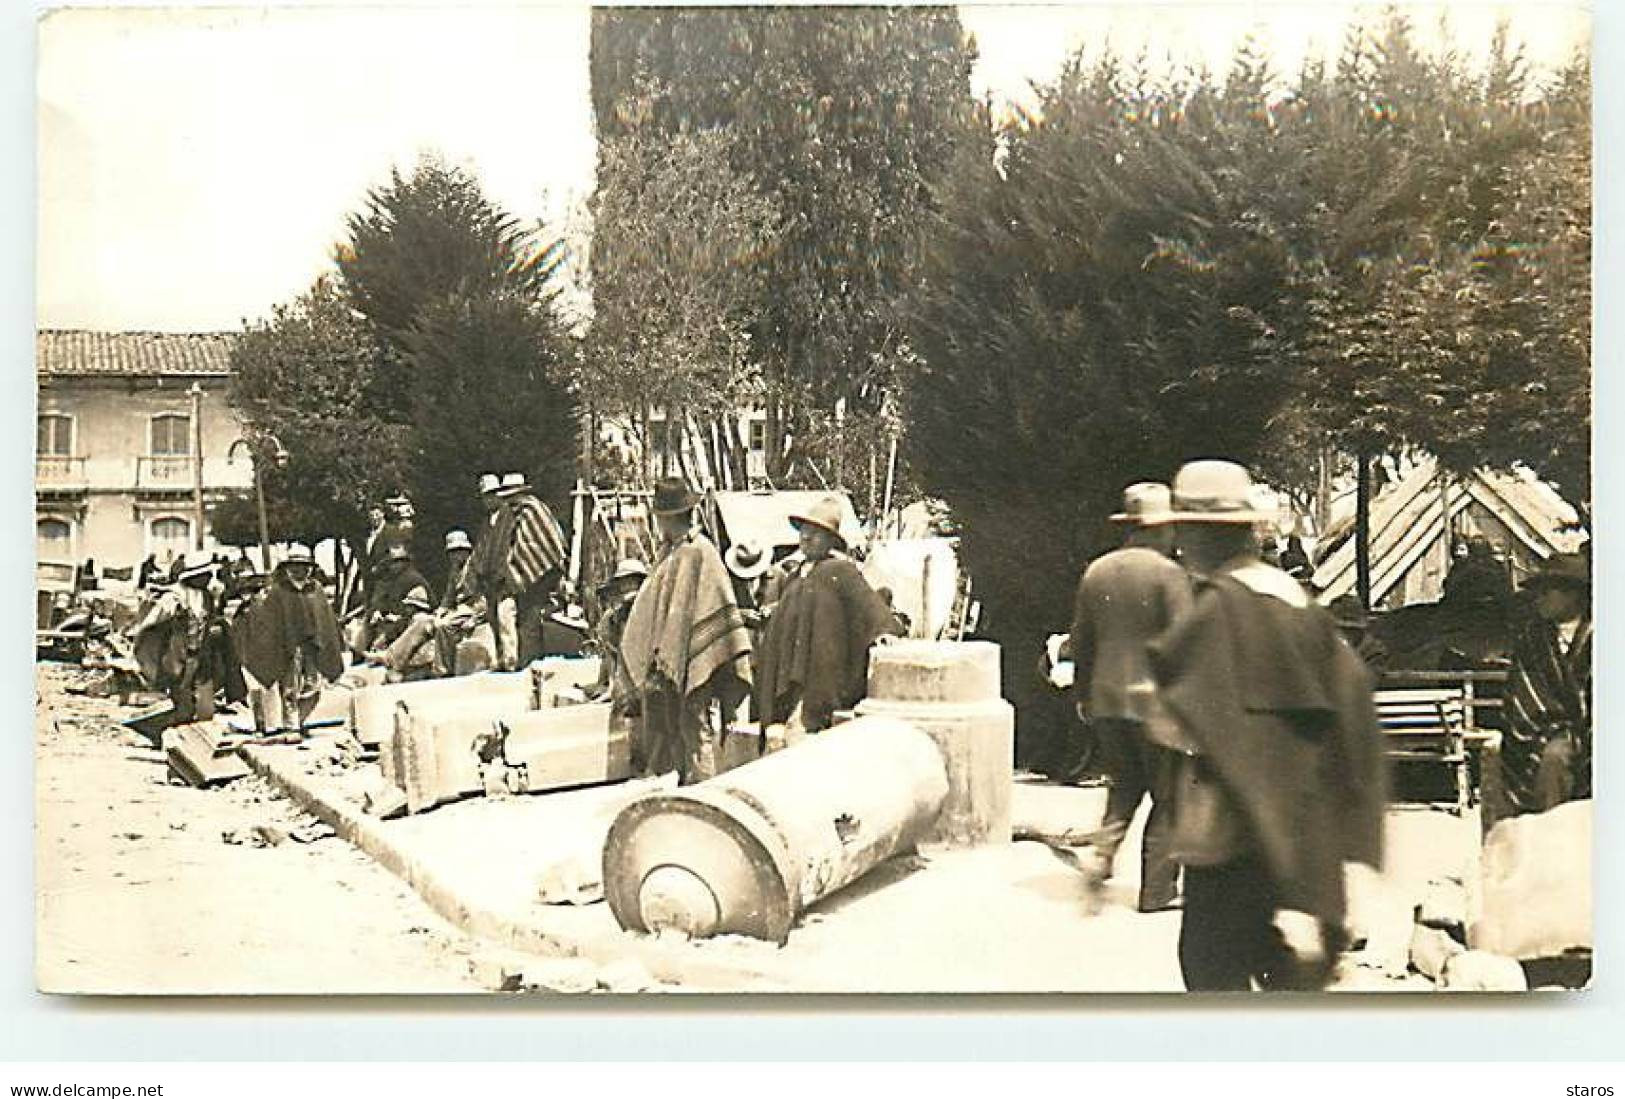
{"x": 1362, "y": 532}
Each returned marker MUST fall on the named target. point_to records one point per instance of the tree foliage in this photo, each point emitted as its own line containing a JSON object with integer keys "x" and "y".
{"x": 1383, "y": 253}
{"x": 843, "y": 118}
{"x": 303, "y": 375}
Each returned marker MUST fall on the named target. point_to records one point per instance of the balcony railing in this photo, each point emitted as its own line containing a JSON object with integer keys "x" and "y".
{"x": 58, "y": 471}
{"x": 165, "y": 472}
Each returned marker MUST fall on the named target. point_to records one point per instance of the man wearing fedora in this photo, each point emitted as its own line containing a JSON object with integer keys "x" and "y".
{"x": 517, "y": 567}
{"x": 1126, "y": 598}
{"x": 1281, "y": 779}
{"x": 1546, "y": 747}
{"x": 685, "y": 648}
{"x": 815, "y": 648}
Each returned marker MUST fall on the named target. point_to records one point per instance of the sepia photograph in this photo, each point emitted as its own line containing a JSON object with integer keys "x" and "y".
{"x": 1040, "y": 499}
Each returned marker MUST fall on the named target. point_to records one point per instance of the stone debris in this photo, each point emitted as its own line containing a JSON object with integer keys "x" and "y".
{"x": 1444, "y": 907}
{"x": 1432, "y": 950}
{"x": 1481, "y": 971}
{"x": 568, "y": 976}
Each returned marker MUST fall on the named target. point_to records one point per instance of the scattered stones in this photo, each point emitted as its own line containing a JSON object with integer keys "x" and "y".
{"x": 568, "y": 976}
{"x": 1481, "y": 971}
{"x": 626, "y": 975}
{"x": 1444, "y": 906}
{"x": 495, "y": 974}
{"x": 1432, "y": 950}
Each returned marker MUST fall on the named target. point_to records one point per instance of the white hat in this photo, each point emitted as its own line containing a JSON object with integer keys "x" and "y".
{"x": 747, "y": 560}
{"x": 418, "y": 597}
{"x": 489, "y": 483}
{"x": 458, "y": 540}
{"x": 299, "y": 552}
{"x": 512, "y": 483}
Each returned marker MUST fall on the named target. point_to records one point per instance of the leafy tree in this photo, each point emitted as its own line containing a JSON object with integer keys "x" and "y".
{"x": 419, "y": 239}
{"x": 844, "y": 117}
{"x": 490, "y": 388}
{"x": 303, "y": 375}
{"x": 679, "y": 241}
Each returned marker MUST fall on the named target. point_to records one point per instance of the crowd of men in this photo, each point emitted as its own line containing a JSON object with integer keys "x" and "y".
{"x": 1216, "y": 685}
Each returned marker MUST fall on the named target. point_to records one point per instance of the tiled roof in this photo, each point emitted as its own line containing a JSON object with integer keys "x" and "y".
{"x": 70, "y": 351}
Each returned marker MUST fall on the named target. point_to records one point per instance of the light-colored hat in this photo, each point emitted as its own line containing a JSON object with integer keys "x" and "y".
{"x": 195, "y": 563}
{"x": 458, "y": 540}
{"x": 1147, "y": 504}
{"x": 398, "y": 552}
{"x": 300, "y": 552}
{"x": 400, "y": 499}
{"x": 1212, "y": 491}
{"x": 627, "y": 569}
{"x": 825, "y": 514}
{"x": 418, "y": 597}
{"x": 512, "y": 483}
{"x": 747, "y": 560}
{"x": 489, "y": 483}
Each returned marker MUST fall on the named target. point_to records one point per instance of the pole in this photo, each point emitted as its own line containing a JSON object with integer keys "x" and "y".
{"x": 891, "y": 476}
{"x": 196, "y": 393}
{"x": 265, "y": 527}
{"x": 1362, "y": 532}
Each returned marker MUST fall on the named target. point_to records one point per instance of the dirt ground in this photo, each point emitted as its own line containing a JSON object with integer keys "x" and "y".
{"x": 137, "y": 891}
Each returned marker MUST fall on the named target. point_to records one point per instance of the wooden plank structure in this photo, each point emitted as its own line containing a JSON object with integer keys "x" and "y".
{"x": 1438, "y": 718}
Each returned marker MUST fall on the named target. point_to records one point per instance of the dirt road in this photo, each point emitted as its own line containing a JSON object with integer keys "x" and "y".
{"x": 137, "y": 891}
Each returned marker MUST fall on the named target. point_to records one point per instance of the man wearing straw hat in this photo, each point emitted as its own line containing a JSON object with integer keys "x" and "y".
{"x": 1125, "y": 599}
{"x": 815, "y": 647}
{"x": 521, "y": 559}
{"x": 1281, "y": 776}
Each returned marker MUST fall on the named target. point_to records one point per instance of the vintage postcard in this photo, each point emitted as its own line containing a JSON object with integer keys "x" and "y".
{"x": 1042, "y": 499}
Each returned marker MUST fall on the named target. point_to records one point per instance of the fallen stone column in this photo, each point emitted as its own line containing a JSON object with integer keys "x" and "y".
{"x": 746, "y": 852}
{"x": 950, "y": 690}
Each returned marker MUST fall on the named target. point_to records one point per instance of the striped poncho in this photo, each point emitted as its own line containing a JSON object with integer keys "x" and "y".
{"x": 523, "y": 546}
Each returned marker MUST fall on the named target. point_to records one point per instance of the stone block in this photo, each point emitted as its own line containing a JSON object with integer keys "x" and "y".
{"x": 1537, "y": 895}
{"x": 1432, "y": 950}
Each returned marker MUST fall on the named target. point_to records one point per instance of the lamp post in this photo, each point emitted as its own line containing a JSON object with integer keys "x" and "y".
{"x": 254, "y": 444}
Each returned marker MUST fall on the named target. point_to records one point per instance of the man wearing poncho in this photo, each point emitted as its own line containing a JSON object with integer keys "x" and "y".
{"x": 686, "y": 649}
{"x": 517, "y": 563}
{"x": 815, "y": 647}
{"x": 289, "y": 641}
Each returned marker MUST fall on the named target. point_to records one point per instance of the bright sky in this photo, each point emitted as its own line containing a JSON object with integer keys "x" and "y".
{"x": 196, "y": 166}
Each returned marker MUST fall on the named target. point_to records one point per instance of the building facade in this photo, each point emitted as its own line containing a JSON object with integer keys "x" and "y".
{"x": 123, "y": 442}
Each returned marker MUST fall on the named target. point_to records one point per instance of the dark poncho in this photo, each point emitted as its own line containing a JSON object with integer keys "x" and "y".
{"x": 816, "y": 646}
{"x": 280, "y": 622}
{"x": 1282, "y": 709}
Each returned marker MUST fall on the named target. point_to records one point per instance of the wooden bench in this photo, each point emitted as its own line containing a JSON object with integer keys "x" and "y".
{"x": 1429, "y": 725}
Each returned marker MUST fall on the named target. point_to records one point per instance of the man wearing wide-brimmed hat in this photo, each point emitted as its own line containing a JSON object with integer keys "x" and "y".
{"x": 814, "y": 657}
{"x": 1281, "y": 776}
{"x": 1125, "y": 598}
{"x": 615, "y": 597}
{"x": 388, "y": 613}
{"x": 186, "y": 632}
{"x": 517, "y": 566}
{"x": 290, "y": 644}
{"x": 1546, "y": 747}
{"x": 685, "y": 648}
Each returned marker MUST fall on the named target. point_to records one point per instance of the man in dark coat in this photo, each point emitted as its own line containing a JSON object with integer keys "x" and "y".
{"x": 184, "y": 644}
{"x": 388, "y": 610}
{"x": 815, "y": 647}
{"x": 1275, "y": 716}
{"x": 1546, "y": 747}
{"x": 1125, "y": 599}
{"x": 289, "y": 640}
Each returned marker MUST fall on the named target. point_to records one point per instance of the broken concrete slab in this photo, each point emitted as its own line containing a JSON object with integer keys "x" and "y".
{"x": 200, "y": 755}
